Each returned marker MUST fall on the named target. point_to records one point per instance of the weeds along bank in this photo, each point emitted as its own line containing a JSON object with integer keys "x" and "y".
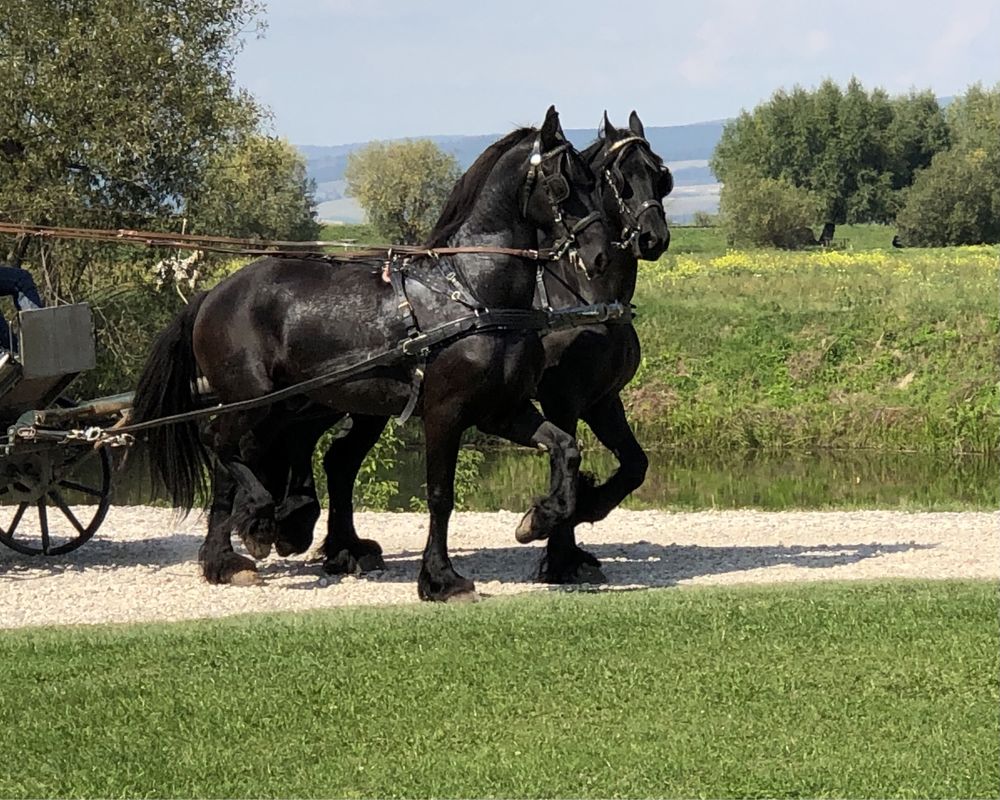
{"x": 876, "y": 349}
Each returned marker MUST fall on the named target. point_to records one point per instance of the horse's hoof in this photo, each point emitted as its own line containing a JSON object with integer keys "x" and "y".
{"x": 588, "y": 573}
{"x": 285, "y": 548}
{"x": 526, "y": 531}
{"x": 346, "y": 563}
{"x": 579, "y": 567}
{"x": 458, "y": 589}
{"x": 371, "y": 562}
{"x": 246, "y": 577}
{"x": 258, "y": 549}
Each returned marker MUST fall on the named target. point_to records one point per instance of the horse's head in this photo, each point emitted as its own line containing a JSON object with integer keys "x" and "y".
{"x": 560, "y": 198}
{"x": 635, "y": 182}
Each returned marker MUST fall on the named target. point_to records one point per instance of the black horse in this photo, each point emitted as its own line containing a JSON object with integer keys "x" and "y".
{"x": 586, "y": 369}
{"x": 279, "y": 322}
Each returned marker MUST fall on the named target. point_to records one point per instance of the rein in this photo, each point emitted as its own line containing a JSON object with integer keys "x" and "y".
{"x": 261, "y": 247}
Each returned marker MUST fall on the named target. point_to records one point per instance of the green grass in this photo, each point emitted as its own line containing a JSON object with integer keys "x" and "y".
{"x": 687, "y": 239}
{"x": 890, "y": 350}
{"x": 358, "y": 234}
{"x": 853, "y": 690}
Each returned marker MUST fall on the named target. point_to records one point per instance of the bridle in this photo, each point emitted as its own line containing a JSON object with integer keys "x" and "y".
{"x": 556, "y": 188}
{"x": 612, "y": 168}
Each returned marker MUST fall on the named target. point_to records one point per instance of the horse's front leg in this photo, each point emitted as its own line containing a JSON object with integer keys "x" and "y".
{"x": 608, "y": 422}
{"x": 438, "y": 579}
{"x": 528, "y": 427}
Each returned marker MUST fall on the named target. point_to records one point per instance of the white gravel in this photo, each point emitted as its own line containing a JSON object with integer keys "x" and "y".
{"x": 142, "y": 564}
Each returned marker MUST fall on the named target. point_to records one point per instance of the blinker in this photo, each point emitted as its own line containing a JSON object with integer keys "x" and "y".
{"x": 558, "y": 188}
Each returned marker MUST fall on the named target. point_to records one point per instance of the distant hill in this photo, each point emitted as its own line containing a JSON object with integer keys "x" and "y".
{"x": 687, "y": 148}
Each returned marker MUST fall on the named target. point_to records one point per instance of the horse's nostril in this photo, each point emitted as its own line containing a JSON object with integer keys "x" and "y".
{"x": 600, "y": 262}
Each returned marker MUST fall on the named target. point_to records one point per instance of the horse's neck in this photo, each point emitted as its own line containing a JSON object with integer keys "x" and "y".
{"x": 498, "y": 281}
{"x": 568, "y": 285}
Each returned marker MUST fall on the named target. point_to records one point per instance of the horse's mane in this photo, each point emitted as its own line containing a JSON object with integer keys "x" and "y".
{"x": 463, "y": 196}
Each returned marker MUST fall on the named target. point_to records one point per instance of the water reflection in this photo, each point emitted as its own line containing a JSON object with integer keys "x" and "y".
{"x": 510, "y": 478}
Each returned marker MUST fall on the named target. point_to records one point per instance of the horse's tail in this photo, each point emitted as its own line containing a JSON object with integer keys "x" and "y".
{"x": 178, "y": 459}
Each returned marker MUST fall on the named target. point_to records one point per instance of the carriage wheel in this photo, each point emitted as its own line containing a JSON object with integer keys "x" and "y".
{"x": 53, "y": 501}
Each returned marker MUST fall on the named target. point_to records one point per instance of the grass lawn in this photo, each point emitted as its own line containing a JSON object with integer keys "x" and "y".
{"x": 849, "y": 690}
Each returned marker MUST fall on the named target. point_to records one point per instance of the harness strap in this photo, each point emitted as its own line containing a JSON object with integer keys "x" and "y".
{"x": 499, "y": 320}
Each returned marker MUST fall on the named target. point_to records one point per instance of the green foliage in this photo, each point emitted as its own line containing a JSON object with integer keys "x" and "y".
{"x": 957, "y": 199}
{"x": 358, "y": 234}
{"x": 401, "y": 186}
{"x": 767, "y": 211}
{"x": 834, "y": 690}
{"x": 869, "y": 350}
{"x": 467, "y": 484}
{"x": 372, "y": 490}
{"x": 853, "y": 149}
{"x": 112, "y": 111}
{"x": 702, "y": 219}
{"x": 256, "y": 188}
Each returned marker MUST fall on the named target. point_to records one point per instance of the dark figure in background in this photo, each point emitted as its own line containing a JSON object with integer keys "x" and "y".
{"x": 896, "y": 241}
{"x": 17, "y": 284}
{"x": 826, "y": 237}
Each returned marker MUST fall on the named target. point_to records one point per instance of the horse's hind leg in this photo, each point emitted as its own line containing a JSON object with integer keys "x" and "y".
{"x": 237, "y": 446}
{"x": 345, "y": 552}
{"x": 530, "y": 428}
{"x": 219, "y": 563}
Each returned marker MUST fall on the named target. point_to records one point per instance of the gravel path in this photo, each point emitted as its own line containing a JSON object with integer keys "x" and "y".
{"x": 142, "y": 565}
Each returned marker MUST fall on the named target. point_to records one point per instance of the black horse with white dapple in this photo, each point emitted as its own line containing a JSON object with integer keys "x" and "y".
{"x": 279, "y": 322}
{"x": 586, "y": 369}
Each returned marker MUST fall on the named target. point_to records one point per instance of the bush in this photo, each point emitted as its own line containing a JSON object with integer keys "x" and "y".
{"x": 767, "y": 211}
{"x": 954, "y": 201}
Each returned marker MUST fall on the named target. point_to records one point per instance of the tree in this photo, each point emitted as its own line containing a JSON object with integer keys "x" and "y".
{"x": 256, "y": 188}
{"x": 112, "y": 110}
{"x": 852, "y": 149}
{"x": 402, "y": 186}
{"x": 956, "y": 200}
{"x": 767, "y": 211}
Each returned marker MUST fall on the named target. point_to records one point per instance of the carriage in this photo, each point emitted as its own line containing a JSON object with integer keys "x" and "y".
{"x": 55, "y": 459}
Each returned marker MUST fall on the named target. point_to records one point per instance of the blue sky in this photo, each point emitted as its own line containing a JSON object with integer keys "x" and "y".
{"x": 339, "y": 71}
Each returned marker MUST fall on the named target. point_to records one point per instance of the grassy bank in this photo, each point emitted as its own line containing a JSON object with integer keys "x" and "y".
{"x": 841, "y": 349}
{"x": 855, "y": 690}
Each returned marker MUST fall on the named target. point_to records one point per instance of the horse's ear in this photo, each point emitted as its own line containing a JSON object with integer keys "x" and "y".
{"x": 605, "y": 128}
{"x": 635, "y": 125}
{"x": 551, "y": 132}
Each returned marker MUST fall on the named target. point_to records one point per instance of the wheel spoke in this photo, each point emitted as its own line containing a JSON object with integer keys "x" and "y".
{"x": 43, "y": 524}
{"x": 79, "y": 487}
{"x": 16, "y": 520}
{"x": 58, "y": 500}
